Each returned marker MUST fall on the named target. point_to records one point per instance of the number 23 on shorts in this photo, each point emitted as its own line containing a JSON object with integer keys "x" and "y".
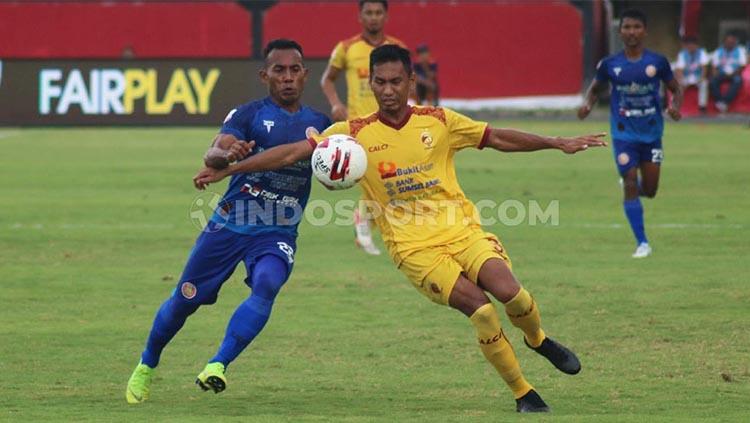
{"x": 657, "y": 155}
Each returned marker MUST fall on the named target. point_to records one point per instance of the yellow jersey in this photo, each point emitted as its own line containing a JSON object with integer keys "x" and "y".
{"x": 411, "y": 177}
{"x": 353, "y": 57}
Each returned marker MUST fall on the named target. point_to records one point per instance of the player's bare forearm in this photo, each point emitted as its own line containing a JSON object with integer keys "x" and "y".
{"x": 327, "y": 84}
{"x": 271, "y": 159}
{"x": 224, "y": 141}
{"x": 329, "y": 89}
{"x": 512, "y": 140}
{"x": 674, "y": 109}
{"x": 224, "y": 150}
{"x": 592, "y": 95}
{"x": 674, "y": 87}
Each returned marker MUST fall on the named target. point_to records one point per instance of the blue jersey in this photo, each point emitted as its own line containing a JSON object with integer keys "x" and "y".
{"x": 635, "y": 103}
{"x": 268, "y": 202}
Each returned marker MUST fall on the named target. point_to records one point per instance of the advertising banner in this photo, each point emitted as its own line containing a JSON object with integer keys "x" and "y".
{"x": 134, "y": 92}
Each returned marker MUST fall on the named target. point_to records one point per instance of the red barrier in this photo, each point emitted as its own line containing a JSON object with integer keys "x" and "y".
{"x": 102, "y": 30}
{"x": 484, "y": 50}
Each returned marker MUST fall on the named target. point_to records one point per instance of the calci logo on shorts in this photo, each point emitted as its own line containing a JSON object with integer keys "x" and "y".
{"x": 188, "y": 290}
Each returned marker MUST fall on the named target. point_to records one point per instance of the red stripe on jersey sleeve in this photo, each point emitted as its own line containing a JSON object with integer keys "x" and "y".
{"x": 485, "y": 138}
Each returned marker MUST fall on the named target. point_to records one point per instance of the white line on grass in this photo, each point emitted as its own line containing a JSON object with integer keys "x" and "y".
{"x": 165, "y": 226}
{"x": 655, "y": 225}
{"x": 88, "y": 226}
{"x": 8, "y": 134}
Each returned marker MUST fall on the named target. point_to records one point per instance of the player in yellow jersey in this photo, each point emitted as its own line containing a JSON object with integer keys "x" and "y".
{"x": 428, "y": 224}
{"x": 352, "y": 57}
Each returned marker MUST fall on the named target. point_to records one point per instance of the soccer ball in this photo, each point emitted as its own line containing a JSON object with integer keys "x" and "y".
{"x": 339, "y": 162}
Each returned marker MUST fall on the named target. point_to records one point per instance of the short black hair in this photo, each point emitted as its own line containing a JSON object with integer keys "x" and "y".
{"x": 390, "y": 53}
{"x": 282, "y": 44}
{"x": 731, "y": 34}
{"x": 383, "y": 2}
{"x": 634, "y": 14}
{"x": 690, "y": 39}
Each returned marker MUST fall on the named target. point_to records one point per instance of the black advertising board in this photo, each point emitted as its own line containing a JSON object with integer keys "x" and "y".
{"x": 134, "y": 92}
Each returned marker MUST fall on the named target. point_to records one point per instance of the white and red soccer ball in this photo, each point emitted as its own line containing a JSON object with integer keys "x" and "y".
{"x": 339, "y": 162}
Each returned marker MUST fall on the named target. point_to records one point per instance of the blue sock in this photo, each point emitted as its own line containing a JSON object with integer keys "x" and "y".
{"x": 267, "y": 278}
{"x": 634, "y": 213}
{"x": 168, "y": 321}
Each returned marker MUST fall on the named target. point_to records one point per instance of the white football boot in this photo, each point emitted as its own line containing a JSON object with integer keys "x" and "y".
{"x": 363, "y": 235}
{"x": 642, "y": 251}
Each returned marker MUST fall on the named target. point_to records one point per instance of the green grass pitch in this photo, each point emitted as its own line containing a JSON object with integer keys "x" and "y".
{"x": 95, "y": 228}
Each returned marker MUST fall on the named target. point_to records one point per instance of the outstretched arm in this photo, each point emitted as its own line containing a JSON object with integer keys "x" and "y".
{"x": 327, "y": 84}
{"x": 271, "y": 159}
{"x": 510, "y": 140}
{"x": 225, "y": 149}
{"x": 592, "y": 95}
{"x": 674, "y": 109}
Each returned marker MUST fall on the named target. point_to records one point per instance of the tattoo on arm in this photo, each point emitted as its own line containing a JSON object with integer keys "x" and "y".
{"x": 674, "y": 87}
{"x": 592, "y": 95}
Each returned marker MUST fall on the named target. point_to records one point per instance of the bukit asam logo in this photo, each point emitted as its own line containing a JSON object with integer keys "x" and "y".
{"x": 120, "y": 91}
{"x": 390, "y": 169}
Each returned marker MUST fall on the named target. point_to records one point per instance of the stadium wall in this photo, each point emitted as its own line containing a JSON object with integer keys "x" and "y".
{"x": 485, "y": 50}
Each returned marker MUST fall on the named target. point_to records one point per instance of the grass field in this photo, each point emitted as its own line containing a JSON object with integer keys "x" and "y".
{"x": 94, "y": 230}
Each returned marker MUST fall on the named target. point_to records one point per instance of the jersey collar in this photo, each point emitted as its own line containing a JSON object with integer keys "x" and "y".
{"x": 398, "y": 125}
{"x": 362, "y": 37}
{"x": 270, "y": 102}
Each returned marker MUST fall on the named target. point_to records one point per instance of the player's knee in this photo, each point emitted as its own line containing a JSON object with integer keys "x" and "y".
{"x": 267, "y": 279}
{"x": 649, "y": 192}
{"x": 629, "y": 183}
{"x": 467, "y": 297}
{"x": 267, "y": 286}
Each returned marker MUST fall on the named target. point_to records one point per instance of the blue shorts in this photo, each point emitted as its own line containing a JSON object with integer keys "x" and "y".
{"x": 217, "y": 252}
{"x": 630, "y": 154}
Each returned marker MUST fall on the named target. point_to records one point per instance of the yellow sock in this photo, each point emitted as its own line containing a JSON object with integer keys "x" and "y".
{"x": 497, "y": 350}
{"x": 524, "y": 314}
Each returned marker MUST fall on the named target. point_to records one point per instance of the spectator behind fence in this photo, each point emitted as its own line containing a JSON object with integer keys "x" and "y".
{"x": 728, "y": 62}
{"x": 425, "y": 69}
{"x": 691, "y": 69}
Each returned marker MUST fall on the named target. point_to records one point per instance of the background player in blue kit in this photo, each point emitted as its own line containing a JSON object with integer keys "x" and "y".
{"x": 636, "y": 116}
{"x": 255, "y": 222}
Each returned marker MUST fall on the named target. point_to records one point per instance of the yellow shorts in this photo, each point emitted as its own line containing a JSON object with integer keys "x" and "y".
{"x": 435, "y": 270}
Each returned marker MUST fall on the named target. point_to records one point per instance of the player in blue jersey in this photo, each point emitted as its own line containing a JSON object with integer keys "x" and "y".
{"x": 255, "y": 222}
{"x": 635, "y": 75}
